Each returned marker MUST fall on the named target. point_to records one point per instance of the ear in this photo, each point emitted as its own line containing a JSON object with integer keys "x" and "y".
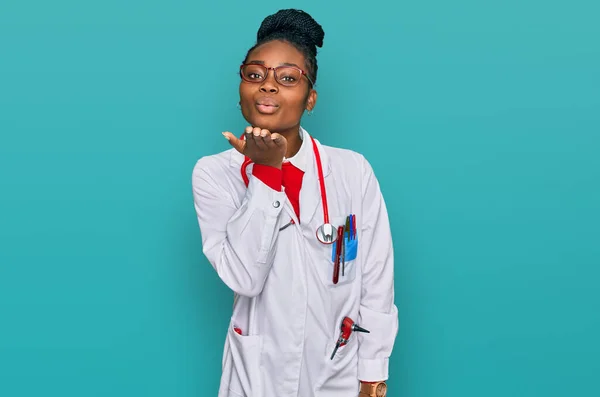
{"x": 311, "y": 101}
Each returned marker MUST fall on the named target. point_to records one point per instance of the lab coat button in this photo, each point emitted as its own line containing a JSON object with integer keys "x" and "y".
{"x": 276, "y": 204}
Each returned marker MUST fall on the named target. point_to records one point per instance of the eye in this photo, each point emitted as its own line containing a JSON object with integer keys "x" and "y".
{"x": 288, "y": 79}
{"x": 288, "y": 76}
{"x": 253, "y": 72}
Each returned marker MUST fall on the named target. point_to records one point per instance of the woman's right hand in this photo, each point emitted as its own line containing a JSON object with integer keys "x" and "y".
{"x": 260, "y": 146}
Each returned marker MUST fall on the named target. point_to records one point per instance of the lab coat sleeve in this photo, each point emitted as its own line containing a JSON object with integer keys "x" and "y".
{"x": 377, "y": 312}
{"x": 238, "y": 242}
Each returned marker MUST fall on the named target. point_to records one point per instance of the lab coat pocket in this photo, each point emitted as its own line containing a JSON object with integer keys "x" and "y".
{"x": 244, "y": 367}
{"x": 347, "y": 262}
{"x": 351, "y": 248}
{"x": 337, "y": 375}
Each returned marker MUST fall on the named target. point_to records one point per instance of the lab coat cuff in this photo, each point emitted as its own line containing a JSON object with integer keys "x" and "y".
{"x": 373, "y": 370}
{"x": 263, "y": 197}
{"x": 383, "y": 329}
{"x": 375, "y": 347}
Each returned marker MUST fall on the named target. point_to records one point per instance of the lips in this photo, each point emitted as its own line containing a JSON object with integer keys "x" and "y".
{"x": 267, "y": 105}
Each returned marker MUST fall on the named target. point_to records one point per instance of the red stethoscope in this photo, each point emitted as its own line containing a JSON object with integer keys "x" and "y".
{"x": 326, "y": 233}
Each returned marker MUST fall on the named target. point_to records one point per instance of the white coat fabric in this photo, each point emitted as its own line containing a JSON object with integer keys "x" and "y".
{"x": 285, "y": 302}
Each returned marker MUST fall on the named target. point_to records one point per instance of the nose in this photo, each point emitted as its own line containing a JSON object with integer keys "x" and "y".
{"x": 269, "y": 84}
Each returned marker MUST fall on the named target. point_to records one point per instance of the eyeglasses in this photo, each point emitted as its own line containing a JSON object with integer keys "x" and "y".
{"x": 288, "y": 76}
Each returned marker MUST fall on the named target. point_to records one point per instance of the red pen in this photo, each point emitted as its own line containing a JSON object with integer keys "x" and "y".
{"x": 353, "y": 227}
{"x": 338, "y": 251}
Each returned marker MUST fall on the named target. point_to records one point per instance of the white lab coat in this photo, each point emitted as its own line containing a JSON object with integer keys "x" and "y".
{"x": 285, "y": 302}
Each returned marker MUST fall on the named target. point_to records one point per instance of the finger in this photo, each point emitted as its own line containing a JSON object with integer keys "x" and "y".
{"x": 237, "y": 144}
{"x": 266, "y": 136}
{"x": 250, "y": 141}
{"x": 256, "y": 139}
{"x": 259, "y": 140}
{"x": 248, "y": 132}
{"x": 278, "y": 139}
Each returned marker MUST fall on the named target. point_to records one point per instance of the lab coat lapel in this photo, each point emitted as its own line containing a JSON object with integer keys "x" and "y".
{"x": 310, "y": 193}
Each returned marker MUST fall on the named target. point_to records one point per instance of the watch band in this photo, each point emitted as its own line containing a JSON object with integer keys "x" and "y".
{"x": 373, "y": 389}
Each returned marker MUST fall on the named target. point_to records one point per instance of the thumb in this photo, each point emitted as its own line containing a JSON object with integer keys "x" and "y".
{"x": 237, "y": 144}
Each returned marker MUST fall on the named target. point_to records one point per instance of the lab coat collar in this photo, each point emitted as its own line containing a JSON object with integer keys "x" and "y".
{"x": 303, "y": 157}
{"x": 310, "y": 193}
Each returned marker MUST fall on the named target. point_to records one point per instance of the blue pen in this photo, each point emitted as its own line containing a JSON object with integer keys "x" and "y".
{"x": 350, "y": 234}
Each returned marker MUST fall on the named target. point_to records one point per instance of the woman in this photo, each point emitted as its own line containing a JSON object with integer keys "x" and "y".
{"x": 260, "y": 208}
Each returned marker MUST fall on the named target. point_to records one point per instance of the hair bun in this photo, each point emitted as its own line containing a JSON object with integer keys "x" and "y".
{"x": 297, "y": 22}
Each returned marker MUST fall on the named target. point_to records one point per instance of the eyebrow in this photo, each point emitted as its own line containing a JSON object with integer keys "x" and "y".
{"x": 281, "y": 64}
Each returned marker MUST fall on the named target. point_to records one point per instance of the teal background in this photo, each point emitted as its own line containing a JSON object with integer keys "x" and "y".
{"x": 481, "y": 120}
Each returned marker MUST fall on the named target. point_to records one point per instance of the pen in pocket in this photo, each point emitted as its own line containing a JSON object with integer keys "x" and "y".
{"x": 338, "y": 253}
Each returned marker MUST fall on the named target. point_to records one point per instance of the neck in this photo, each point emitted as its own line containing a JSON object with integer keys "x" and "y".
{"x": 293, "y": 142}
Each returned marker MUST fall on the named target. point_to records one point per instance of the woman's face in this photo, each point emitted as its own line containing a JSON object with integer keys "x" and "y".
{"x": 270, "y": 105}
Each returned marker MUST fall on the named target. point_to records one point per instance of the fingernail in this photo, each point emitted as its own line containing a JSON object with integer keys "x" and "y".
{"x": 225, "y": 135}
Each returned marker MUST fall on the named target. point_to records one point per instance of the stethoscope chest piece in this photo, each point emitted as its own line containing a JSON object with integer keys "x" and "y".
{"x": 327, "y": 233}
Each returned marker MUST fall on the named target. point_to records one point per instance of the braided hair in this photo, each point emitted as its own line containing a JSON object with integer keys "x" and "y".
{"x": 297, "y": 28}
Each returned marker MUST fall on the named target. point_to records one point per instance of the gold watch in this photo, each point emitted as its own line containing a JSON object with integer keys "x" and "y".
{"x": 375, "y": 389}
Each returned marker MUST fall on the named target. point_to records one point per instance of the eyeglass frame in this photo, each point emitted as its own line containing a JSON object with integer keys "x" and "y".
{"x": 274, "y": 69}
